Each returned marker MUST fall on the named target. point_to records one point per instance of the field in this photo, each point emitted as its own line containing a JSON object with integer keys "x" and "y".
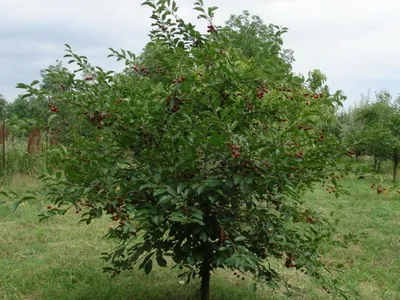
{"x": 60, "y": 258}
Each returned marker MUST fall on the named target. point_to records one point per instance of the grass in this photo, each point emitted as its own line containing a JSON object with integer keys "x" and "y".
{"x": 60, "y": 258}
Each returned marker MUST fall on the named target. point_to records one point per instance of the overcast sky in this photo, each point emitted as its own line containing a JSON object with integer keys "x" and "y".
{"x": 354, "y": 42}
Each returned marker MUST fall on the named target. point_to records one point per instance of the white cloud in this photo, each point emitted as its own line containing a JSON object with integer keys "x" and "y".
{"x": 354, "y": 42}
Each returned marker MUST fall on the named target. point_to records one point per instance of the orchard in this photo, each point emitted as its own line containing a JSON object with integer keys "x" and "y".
{"x": 200, "y": 152}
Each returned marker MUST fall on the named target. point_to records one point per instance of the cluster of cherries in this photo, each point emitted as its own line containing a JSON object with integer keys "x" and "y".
{"x": 141, "y": 70}
{"x": 305, "y": 128}
{"x": 179, "y": 80}
{"x": 290, "y": 262}
{"x": 299, "y": 154}
{"x": 308, "y": 218}
{"x": 261, "y": 92}
{"x": 53, "y": 108}
{"x": 177, "y": 103}
{"x": 222, "y": 234}
{"x": 235, "y": 149}
{"x": 211, "y": 28}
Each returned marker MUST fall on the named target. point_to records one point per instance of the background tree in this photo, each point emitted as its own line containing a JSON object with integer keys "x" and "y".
{"x": 20, "y": 108}
{"x": 3, "y": 107}
{"x": 373, "y": 129}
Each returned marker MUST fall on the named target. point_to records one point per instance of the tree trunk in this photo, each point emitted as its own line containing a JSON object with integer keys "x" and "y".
{"x": 396, "y": 162}
{"x": 205, "y": 274}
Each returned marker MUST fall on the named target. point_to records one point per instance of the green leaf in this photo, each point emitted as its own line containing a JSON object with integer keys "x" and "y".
{"x": 177, "y": 217}
{"x": 158, "y": 192}
{"x": 201, "y": 190}
{"x": 165, "y": 199}
{"x": 171, "y": 191}
{"x": 148, "y": 185}
{"x": 203, "y": 237}
{"x": 181, "y": 187}
{"x": 244, "y": 186}
{"x": 240, "y": 238}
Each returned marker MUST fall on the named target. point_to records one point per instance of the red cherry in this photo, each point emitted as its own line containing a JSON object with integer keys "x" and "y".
{"x": 235, "y": 153}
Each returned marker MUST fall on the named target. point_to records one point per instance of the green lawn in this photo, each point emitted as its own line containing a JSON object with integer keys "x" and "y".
{"x": 60, "y": 259}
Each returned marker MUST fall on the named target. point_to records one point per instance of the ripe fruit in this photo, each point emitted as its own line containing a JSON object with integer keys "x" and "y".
{"x": 299, "y": 154}
{"x": 54, "y": 109}
{"x": 311, "y": 220}
{"x": 235, "y": 153}
{"x": 88, "y": 78}
{"x": 307, "y": 103}
{"x": 211, "y": 28}
{"x": 48, "y": 206}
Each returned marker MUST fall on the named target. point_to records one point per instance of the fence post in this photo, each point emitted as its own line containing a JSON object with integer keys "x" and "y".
{"x": 4, "y": 147}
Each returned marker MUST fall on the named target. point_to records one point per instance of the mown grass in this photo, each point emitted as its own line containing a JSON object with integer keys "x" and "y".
{"x": 60, "y": 258}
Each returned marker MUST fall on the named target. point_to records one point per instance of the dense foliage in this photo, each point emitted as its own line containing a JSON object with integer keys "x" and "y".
{"x": 200, "y": 151}
{"x": 372, "y": 128}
